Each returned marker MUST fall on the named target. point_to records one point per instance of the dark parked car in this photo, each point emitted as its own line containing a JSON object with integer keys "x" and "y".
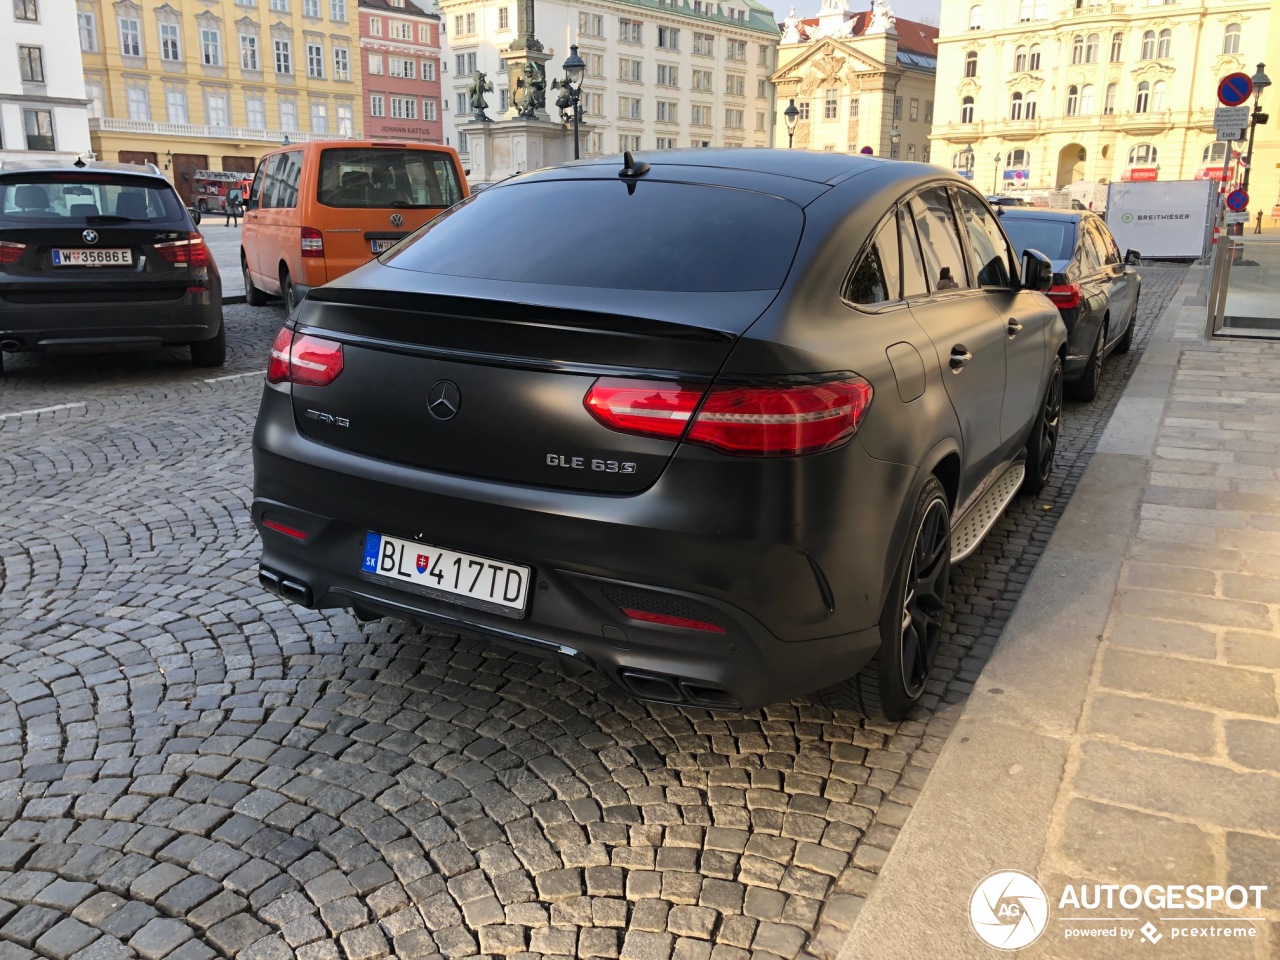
{"x": 723, "y": 444}
{"x": 1006, "y": 201}
{"x": 104, "y": 255}
{"x": 1095, "y": 289}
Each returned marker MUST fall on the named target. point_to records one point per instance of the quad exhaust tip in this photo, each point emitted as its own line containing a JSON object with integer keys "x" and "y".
{"x": 692, "y": 693}
{"x": 292, "y": 590}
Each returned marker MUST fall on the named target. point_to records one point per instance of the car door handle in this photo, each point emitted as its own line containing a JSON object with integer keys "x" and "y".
{"x": 1015, "y": 327}
{"x": 959, "y": 357}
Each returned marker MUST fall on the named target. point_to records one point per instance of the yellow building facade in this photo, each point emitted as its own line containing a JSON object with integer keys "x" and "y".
{"x": 214, "y": 84}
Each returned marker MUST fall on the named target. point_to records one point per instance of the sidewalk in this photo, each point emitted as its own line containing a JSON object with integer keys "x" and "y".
{"x": 1127, "y": 727}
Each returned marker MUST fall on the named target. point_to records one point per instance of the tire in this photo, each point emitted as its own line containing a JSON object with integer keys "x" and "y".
{"x": 911, "y": 625}
{"x": 1042, "y": 444}
{"x": 1086, "y": 388}
{"x": 1126, "y": 341}
{"x": 252, "y": 295}
{"x": 213, "y": 352}
{"x": 203, "y": 206}
{"x": 289, "y": 293}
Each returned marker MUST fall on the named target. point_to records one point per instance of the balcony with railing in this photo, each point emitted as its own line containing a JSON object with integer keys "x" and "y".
{"x": 195, "y": 131}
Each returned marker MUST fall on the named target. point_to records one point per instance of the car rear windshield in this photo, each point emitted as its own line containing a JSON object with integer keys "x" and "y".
{"x": 1054, "y": 238}
{"x": 613, "y": 234}
{"x": 78, "y": 199}
{"x": 379, "y": 177}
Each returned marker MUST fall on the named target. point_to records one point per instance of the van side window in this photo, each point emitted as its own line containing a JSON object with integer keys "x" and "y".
{"x": 939, "y": 239}
{"x": 255, "y": 191}
{"x": 288, "y": 174}
{"x": 990, "y": 250}
{"x": 913, "y": 281}
{"x": 875, "y": 277}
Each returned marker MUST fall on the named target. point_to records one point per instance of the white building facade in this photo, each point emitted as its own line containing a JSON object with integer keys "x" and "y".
{"x": 659, "y": 75}
{"x": 44, "y": 116}
{"x": 1046, "y": 93}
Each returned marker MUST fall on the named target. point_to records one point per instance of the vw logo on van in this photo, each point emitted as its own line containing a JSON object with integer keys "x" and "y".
{"x": 397, "y": 220}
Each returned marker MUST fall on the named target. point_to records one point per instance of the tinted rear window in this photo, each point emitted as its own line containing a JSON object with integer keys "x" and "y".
{"x": 379, "y": 177}
{"x": 58, "y": 199}
{"x": 614, "y": 235}
{"x": 1054, "y": 238}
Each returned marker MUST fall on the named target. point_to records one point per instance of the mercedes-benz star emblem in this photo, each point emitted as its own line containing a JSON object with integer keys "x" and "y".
{"x": 444, "y": 400}
{"x": 397, "y": 220}
{"x": 90, "y": 236}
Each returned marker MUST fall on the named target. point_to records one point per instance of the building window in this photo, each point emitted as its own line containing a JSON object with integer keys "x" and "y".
{"x": 701, "y": 115}
{"x": 215, "y": 108}
{"x": 763, "y": 58}
{"x": 668, "y": 38}
{"x": 1214, "y": 154}
{"x": 911, "y": 151}
{"x": 1073, "y": 100}
{"x": 279, "y": 6}
{"x": 666, "y": 143}
{"x": 464, "y": 64}
{"x": 1163, "y": 44}
{"x": 97, "y": 99}
{"x": 26, "y": 10}
{"x": 760, "y": 121}
{"x": 429, "y": 110}
{"x": 504, "y": 101}
{"x": 1231, "y": 39}
{"x": 319, "y": 118}
{"x": 928, "y": 111}
{"x": 31, "y": 64}
{"x": 762, "y": 89}
{"x": 288, "y": 116}
{"x": 1024, "y": 11}
{"x": 733, "y": 118}
{"x": 170, "y": 42}
{"x": 1030, "y": 111}
{"x": 1143, "y": 101}
{"x": 255, "y": 112}
{"x": 924, "y": 154}
{"x": 1019, "y": 62}
{"x": 338, "y": 10}
{"x": 894, "y": 150}
{"x": 914, "y": 114}
{"x": 703, "y": 81}
{"x": 668, "y": 111}
{"x": 428, "y": 70}
{"x": 1143, "y": 153}
{"x": 1148, "y": 45}
{"x": 628, "y": 141}
{"x": 1077, "y": 49}
{"x": 975, "y": 17}
{"x": 464, "y": 142}
{"x": 1018, "y": 160}
{"x": 897, "y": 108}
{"x": 402, "y": 67}
{"x": 130, "y": 37}
{"x": 175, "y": 104}
{"x": 375, "y": 26}
{"x": 1034, "y": 62}
{"x": 311, "y": 8}
{"x": 1109, "y": 103}
{"x": 631, "y": 69}
{"x": 971, "y": 63}
{"x": 960, "y": 160}
{"x": 668, "y": 75}
{"x": 830, "y": 104}
{"x": 88, "y": 25}
{"x": 38, "y": 126}
{"x": 1086, "y": 100}
{"x": 704, "y": 44}
{"x": 346, "y": 120}
{"x": 315, "y": 60}
{"x": 595, "y": 64}
{"x": 424, "y": 32}
{"x": 284, "y": 56}
{"x": 966, "y": 110}
{"x": 249, "y": 52}
{"x": 211, "y": 46}
{"x": 1091, "y": 48}
{"x": 629, "y": 31}
{"x": 590, "y": 24}
{"x": 138, "y": 99}
{"x": 341, "y": 63}
{"x": 737, "y": 50}
{"x": 1015, "y": 107}
{"x": 735, "y": 85}
{"x": 1117, "y": 47}
{"x": 1157, "y": 96}
{"x": 630, "y": 108}
{"x": 378, "y": 108}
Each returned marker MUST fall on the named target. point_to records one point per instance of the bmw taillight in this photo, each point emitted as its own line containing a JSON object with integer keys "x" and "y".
{"x": 312, "y": 242}
{"x": 303, "y": 359}
{"x": 746, "y": 421}
{"x": 11, "y": 252}
{"x": 190, "y": 252}
{"x": 1065, "y": 296}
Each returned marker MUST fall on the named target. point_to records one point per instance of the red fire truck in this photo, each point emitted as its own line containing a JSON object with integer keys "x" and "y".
{"x": 209, "y": 193}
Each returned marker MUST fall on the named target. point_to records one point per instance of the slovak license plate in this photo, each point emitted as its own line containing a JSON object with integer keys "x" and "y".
{"x": 463, "y": 578}
{"x": 84, "y": 257}
{"x": 380, "y": 246}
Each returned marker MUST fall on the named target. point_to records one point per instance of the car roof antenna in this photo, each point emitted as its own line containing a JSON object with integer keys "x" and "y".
{"x": 631, "y": 168}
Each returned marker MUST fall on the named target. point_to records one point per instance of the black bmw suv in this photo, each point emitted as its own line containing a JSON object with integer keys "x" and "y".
{"x": 103, "y": 255}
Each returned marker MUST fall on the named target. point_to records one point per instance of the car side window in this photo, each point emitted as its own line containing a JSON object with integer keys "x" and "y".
{"x": 913, "y": 280}
{"x": 875, "y": 277}
{"x": 1092, "y": 253}
{"x": 1106, "y": 243}
{"x": 939, "y": 239}
{"x": 255, "y": 191}
{"x": 990, "y": 250}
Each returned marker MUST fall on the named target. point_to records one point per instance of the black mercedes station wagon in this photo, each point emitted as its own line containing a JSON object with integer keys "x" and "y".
{"x": 723, "y": 442}
{"x": 103, "y": 255}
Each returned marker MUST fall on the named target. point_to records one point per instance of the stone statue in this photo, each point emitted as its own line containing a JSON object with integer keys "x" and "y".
{"x": 531, "y": 91}
{"x": 882, "y": 18}
{"x": 480, "y": 85}
{"x": 791, "y": 28}
{"x": 564, "y": 102}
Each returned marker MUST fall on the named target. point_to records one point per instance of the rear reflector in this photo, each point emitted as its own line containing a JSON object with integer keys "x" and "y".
{"x": 312, "y": 242}
{"x": 754, "y": 421}
{"x": 190, "y": 252}
{"x": 302, "y": 359}
{"x": 286, "y": 530}
{"x": 11, "y": 252}
{"x": 667, "y": 620}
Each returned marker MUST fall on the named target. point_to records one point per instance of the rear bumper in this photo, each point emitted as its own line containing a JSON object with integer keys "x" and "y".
{"x": 798, "y": 610}
{"x": 193, "y": 317}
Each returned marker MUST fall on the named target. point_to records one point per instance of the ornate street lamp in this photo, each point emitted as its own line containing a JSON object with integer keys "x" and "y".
{"x": 791, "y": 115}
{"x": 995, "y": 174}
{"x": 574, "y": 69}
{"x": 1260, "y": 82}
{"x": 285, "y": 142}
{"x": 967, "y": 154}
{"x": 168, "y": 159}
{"x": 895, "y": 138}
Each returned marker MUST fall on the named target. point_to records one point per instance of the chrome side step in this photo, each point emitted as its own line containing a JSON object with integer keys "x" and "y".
{"x": 982, "y": 516}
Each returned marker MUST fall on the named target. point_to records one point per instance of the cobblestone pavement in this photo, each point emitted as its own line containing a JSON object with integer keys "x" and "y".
{"x": 190, "y": 768}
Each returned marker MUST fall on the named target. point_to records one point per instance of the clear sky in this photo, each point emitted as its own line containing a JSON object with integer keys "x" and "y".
{"x": 926, "y": 10}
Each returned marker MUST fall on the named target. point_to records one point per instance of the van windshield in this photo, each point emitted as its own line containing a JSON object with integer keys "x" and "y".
{"x": 364, "y": 177}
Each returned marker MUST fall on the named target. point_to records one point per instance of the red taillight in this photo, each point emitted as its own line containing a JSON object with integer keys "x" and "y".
{"x": 190, "y": 252}
{"x": 763, "y": 421}
{"x": 1064, "y": 295}
{"x": 11, "y": 252}
{"x": 302, "y": 359}
{"x": 667, "y": 620}
{"x": 312, "y": 242}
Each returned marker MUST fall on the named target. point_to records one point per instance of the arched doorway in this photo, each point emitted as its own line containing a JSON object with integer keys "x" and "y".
{"x": 1071, "y": 164}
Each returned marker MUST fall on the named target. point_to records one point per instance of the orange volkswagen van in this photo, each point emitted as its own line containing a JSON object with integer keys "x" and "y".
{"x": 318, "y": 210}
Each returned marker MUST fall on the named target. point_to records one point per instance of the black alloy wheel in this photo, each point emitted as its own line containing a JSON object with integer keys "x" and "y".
{"x": 289, "y": 292}
{"x": 1086, "y": 388}
{"x": 1042, "y": 444}
{"x": 1126, "y": 341}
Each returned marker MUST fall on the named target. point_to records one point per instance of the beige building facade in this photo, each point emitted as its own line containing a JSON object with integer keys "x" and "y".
{"x": 861, "y": 81}
{"x": 1046, "y": 93}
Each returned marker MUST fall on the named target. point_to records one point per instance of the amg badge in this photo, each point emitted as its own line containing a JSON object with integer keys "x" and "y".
{"x": 583, "y": 463}
{"x": 328, "y": 418}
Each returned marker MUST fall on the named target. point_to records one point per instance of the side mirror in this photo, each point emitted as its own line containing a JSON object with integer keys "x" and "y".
{"x": 1132, "y": 257}
{"x": 1037, "y": 271}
